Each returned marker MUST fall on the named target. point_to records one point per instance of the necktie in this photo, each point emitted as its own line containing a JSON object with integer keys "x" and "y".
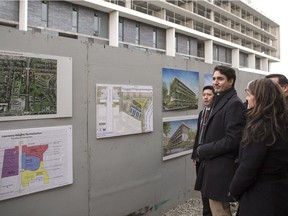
{"x": 207, "y": 113}
{"x": 205, "y": 118}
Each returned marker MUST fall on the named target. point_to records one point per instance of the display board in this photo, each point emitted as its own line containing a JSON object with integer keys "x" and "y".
{"x": 35, "y": 159}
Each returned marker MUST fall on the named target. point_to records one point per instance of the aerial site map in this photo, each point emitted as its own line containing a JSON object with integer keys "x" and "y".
{"x": 28, "y": 85}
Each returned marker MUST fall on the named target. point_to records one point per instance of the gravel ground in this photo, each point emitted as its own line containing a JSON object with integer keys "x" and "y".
{"x": 192, "y": 207}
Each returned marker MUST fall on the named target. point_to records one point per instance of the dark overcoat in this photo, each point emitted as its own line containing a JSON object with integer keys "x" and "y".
{"x": 220, "y": 146}
{"x": 193, "y": 155}
{"x": 261, "y": 180}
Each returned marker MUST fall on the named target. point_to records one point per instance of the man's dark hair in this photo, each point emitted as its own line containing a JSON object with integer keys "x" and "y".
{"x": 227, "y": 71}
{"x": 282, "y": 80}
{"x": 208, "y": 87}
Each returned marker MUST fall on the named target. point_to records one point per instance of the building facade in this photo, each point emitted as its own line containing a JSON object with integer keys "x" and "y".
{"x": 213, "y": 31}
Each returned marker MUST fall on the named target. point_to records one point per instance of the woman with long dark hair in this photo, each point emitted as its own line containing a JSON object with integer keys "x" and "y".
{"x": 260, "y": 183}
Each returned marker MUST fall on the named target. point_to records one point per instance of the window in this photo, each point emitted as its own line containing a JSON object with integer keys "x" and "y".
{"x": 44, "y": 14}
{"x": 96, "y": 26}
{"x": 201, "y": 49}
{"x": 137, "y": 34}
{"x": 118, "y": 2}
{"x": 222, "y": 54}
{"x": 188, "y": 47}
{"x": 243, "y": 60}
{"x": 121, "y": 29}
{"x": 201, "y": 10}
{"x": 217, "y": 17}
{"x": 176, "y": 43}
{"x": 228, "y": 56}
{"x": 75, "y": 19}
{"x": 217, "y": 32}
{"x": 257, "y": 63}
{"x": 216, "y": 53}
{"x": 154, "y": 38}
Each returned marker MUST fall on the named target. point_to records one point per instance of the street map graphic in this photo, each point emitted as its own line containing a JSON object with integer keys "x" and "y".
{"x": 33, "y": 160}
{"x": 28, "y": 85}
{"x": 123, "y": 110}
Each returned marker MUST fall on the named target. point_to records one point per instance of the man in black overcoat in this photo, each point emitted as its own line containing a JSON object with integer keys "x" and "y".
{"x": 208, "y": 95}
{"x": 220, "y": 144}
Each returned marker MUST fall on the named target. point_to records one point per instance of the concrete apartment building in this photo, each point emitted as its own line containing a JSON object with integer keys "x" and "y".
{"x": 228, "y": 32}
{"x": 127, "y": 42}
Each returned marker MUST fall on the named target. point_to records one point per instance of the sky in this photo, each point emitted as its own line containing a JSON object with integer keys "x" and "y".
{"x": 276, "y": 11}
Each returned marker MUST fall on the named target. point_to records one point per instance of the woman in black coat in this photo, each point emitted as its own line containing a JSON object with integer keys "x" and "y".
{"x": 261, "y": 180}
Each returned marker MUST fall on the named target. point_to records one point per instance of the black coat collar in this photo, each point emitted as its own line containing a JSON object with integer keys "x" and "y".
{"x": 222, "y": 99}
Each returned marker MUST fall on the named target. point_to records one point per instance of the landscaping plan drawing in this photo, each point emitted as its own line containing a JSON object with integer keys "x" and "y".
{"x": 123, "y": 110}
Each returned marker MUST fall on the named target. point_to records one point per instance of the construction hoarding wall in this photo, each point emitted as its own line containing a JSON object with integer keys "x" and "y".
{"x": 117, "y": 175}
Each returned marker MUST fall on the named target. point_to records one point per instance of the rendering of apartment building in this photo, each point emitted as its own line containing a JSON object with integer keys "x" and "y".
{"x": 180, "y": 96}
{"x": 180, "y": 135}
{"x": 226, "y": 32}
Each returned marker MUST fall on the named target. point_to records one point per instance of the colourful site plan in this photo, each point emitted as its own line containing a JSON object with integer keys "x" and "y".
{"x": 33, "y": 160}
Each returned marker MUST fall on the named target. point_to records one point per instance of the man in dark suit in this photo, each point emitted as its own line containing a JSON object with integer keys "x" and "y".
{"x": 281, "y": 80}
{"x": 208, "y": 94}
{"x": 220, "y": 145}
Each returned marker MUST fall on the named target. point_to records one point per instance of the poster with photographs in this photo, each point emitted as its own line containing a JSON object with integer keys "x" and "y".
{"x": 178, "y": 136}
{"x": 123, "y": 110}
{"x": 180, "y": 89}
{"x": 34, "y": 86}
